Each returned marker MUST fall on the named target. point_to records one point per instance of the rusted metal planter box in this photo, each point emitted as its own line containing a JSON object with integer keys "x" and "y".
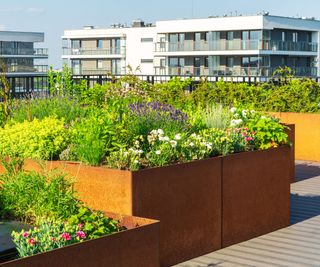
{"x": 138, "y": 246}
{"x": 186, "y": 198}
{"x": 255, "y": 194}
{"x": 307, "y": 128}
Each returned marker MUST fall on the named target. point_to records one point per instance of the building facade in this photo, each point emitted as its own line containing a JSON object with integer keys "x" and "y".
{"x": 228, "y": 46}
{"x": 19, "y": 52}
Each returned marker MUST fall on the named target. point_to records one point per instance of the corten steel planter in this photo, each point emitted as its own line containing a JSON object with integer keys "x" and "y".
{"x": 186, "y": 198}
{"x": 255, "y": 194}
{"x": 138, "y": 246}
{"x": 291, "y": 135}
{"x": 307, "y": 132}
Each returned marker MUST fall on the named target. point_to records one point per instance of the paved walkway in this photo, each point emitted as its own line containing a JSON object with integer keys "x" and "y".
{"x": 297, "y": 245}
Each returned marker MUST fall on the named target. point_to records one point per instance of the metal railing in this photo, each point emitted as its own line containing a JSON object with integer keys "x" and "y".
{"x": 43, "y": 52}
{"x": 23, "y": 84}
{"x": 27, "y": 68}
{"x": 234, "y": 71}
{"x": 93, "y": 52}
{"x": 221, "y": 45}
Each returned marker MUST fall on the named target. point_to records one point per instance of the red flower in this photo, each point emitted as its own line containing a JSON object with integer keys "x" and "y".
{"x": 80, "y": 226}
{"x": 81, "y": 234}
{"x": 249, "y": 139}
{"x": 31, "y": 241}
{"x": 66, "y": 236}
{"x": 25, "y": 234}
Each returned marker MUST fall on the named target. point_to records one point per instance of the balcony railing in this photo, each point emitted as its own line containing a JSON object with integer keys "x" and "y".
{"x": 234, "y": 71}
{"x": 93, "y": 52}
{"x": 24, "y": 51}
{"x": 25, "y": 68}
{"x": 222, "y": 45}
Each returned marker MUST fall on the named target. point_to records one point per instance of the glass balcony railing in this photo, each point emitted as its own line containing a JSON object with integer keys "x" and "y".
{"x": 222, "y": 45}
{"x": 234, "y": 71}
{"x": 93, "y": 52}
{"x": 26, "y": 68}
{"x": 24, "y": 51}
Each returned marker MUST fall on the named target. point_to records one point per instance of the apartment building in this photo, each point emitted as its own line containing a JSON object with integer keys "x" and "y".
{"x": 20, "y": 53}
{"x": 229, "y": 46}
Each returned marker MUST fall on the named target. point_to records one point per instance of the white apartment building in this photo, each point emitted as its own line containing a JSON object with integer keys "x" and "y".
{"x": 19, "y": 52}
{"x": 229, "y": 46}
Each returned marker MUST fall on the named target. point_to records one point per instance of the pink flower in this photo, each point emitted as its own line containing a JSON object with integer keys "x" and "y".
{"x": 81, "y": 234}
{"x": 244, "y": 134}
{"x": 80, "y": 226}
{"x": 66, "y": 236}
{"x": 249, "y": 139}
{"x": 31, "y": 241}
{"x": 253, "y": 133}
{"x": 25, "y": 234}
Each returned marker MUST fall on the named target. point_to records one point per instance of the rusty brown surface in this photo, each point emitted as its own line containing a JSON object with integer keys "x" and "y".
{"x": 100, "y": 188}
{"x": 136, "y": 247}
{"x": 291, "y": 135}
{"x": 255, "y": 194}
{"x": 186, "y": 198}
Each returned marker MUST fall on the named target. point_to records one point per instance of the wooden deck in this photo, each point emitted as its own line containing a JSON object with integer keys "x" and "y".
{"x": 297, "y": 245}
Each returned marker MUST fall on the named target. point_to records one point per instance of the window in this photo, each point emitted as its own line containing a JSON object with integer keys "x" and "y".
{"x": 146, "y": 40}
{"x": 230, "y": 62}
{"x": 75, "y": 44}
{"x": 99, "y": 44}
{"x": 283, "y": 36}
{"x": 230, "y": 36}
{"x": 295, "y": 37}
{"x": 99, "y": 64}
{"x": 146, "y": 60}
{"x": 162, "y": 62}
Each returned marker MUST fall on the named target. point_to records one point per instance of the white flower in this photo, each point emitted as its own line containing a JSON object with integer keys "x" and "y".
{"x": 209, "y": 147}
{"x": 137, "y": 143}
{"x": 233, "y": 110}
{"x": 177, "y": 137}
{"x": 166, "y": 138}
{"x": 140, "y": 151}
{"x": 191, "y": 144}
{"x": 131, "y": 150}
{"x": 263, "y": 117}
{"x": 235, "y": 122}
{"x": 161, "y": 138}
{"x": 244, "y": 113}
{"x": 125, "y": 154}
{"x": 193, "y": 135}
{"x": 160, "y": 132}
{"x": 252, "y": 111}
{"x": 173, "y": 143}
{"x": 158, "y": 152}
{"x": 136, "y": 162}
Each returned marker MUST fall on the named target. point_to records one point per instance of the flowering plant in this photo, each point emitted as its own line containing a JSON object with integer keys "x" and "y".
{"x": 268, "y": 132}
{"x": 48, "y": 236}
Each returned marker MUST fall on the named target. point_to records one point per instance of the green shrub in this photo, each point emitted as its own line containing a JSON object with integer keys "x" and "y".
{"x": 95, "y": 136}
{"x": 43, "y": 139}
{"x": 215, "y": 116}
{"x": 32, "y": 196}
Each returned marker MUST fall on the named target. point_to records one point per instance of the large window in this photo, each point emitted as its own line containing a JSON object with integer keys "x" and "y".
{"x": 75, "y": 44}
{"x": 99, "y": 44}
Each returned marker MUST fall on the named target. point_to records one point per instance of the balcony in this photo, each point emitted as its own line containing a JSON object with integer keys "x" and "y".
{"x": 25, "y": 68}
{"x": 93, "y": 52}
{"x": 235, "y": 71}
{"x": 223, "y": 45}
{"x": 42, "y": 52}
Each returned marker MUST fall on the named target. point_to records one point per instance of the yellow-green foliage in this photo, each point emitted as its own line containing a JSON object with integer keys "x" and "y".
{"x": 39, "y": 139}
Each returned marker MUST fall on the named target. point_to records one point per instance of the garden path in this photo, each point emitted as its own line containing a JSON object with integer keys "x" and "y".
{"x": 297, "y": 245}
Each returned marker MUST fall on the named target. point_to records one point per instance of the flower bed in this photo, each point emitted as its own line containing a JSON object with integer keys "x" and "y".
{"x": 136, "y": 246}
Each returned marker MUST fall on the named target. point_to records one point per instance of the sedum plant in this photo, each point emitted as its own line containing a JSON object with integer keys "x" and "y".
{"x": 39, "y": 139}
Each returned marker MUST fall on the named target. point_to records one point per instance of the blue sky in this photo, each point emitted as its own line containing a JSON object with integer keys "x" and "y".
{"x": 52, "y": 17}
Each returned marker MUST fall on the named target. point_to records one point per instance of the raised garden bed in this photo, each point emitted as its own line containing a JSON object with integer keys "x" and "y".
{"x": 307, "y": 129}
{"x": 137, "y": 246}
{"x": 202, "y": 205}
